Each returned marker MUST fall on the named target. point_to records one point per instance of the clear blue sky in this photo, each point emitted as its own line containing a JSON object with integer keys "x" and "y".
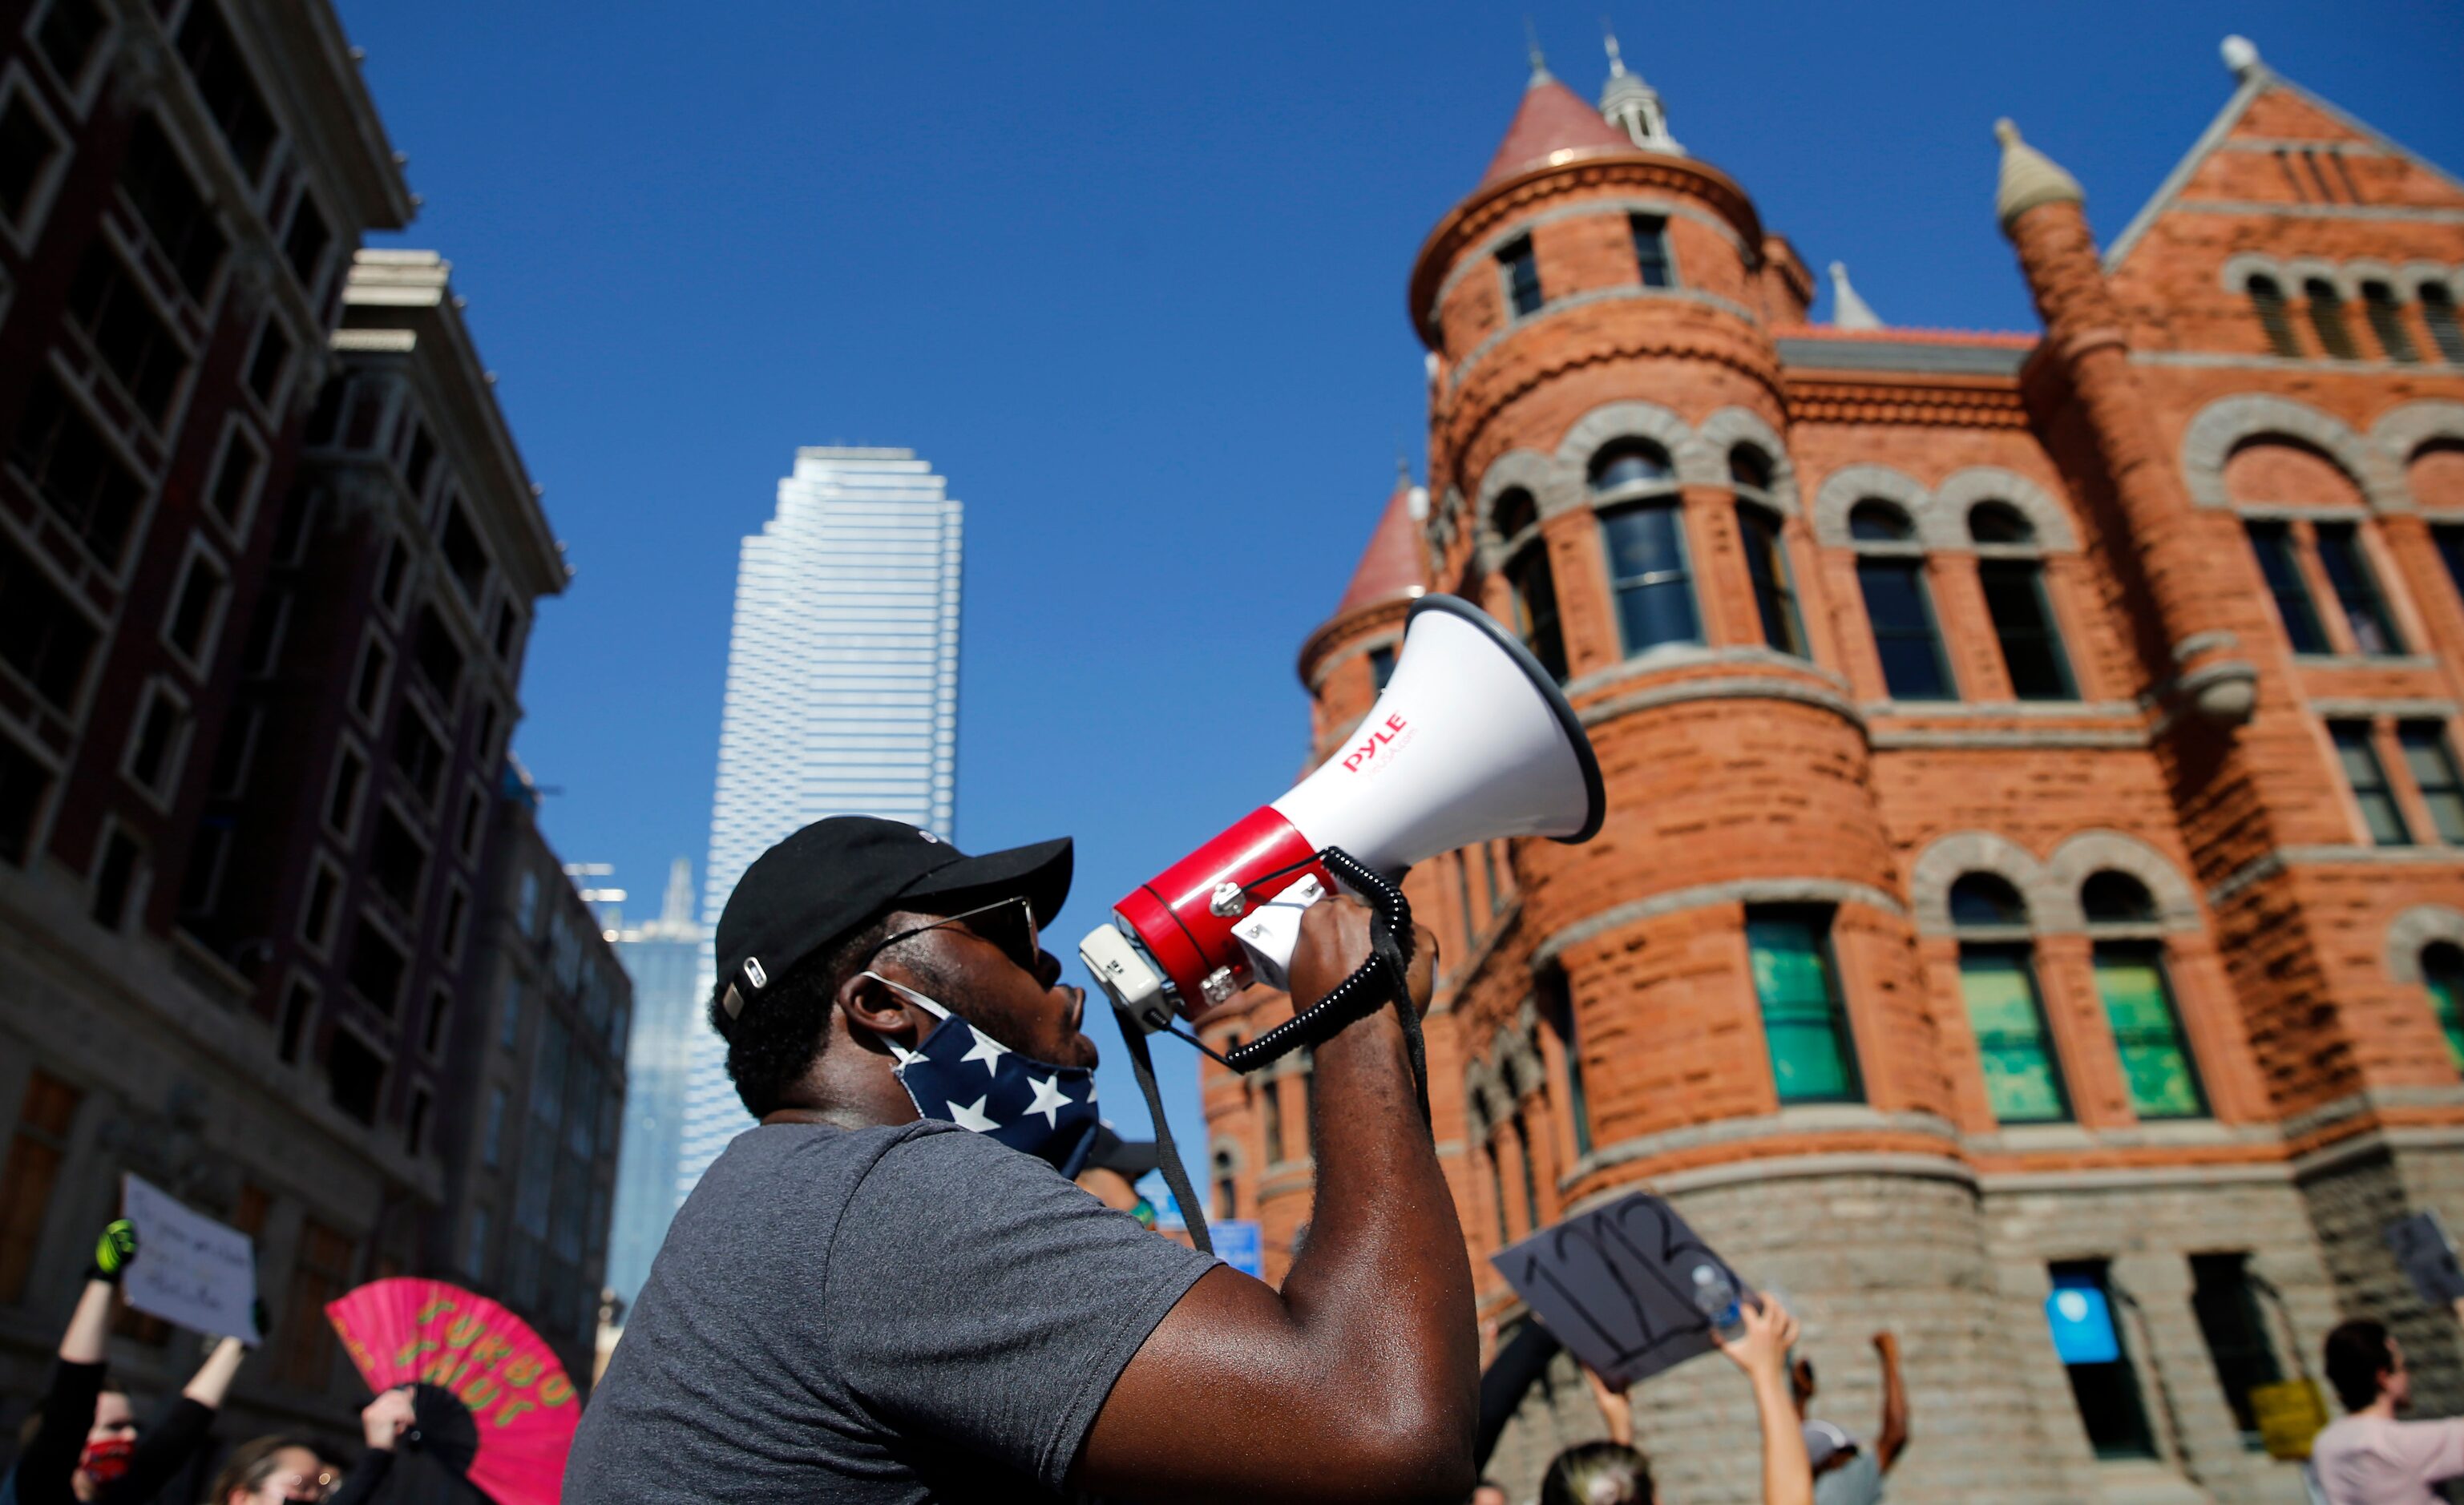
{"x": 1131, "y": 277}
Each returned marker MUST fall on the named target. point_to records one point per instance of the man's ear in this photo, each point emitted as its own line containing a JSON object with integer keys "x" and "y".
{"x": 882, "y": 1014}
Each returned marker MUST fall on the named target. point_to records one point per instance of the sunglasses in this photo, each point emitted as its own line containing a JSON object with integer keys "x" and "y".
{"x": 1008, "y": 924}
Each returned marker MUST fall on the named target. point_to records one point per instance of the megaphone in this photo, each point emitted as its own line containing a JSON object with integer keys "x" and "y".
{"x": 1472, "y": 740}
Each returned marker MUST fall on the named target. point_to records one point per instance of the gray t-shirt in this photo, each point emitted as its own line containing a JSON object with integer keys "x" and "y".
{"x": 884, "y": 1315}
{"x": 1857, "y": 1482}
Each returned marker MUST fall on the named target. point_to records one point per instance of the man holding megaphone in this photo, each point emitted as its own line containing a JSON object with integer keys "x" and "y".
{"x": 862, "y": 1303}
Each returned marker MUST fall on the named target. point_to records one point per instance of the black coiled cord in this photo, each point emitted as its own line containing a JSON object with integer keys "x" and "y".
{"x": 1378, "y": 981}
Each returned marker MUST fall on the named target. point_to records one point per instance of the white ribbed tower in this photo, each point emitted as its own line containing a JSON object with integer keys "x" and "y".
{"x": 842, "y": 692}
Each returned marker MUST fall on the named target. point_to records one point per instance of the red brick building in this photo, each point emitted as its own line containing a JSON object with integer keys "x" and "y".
{"x": 2035, "y": 857}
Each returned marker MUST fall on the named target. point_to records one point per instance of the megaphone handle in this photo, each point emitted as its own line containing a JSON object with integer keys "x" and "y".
{"x": 1381, "y": 978}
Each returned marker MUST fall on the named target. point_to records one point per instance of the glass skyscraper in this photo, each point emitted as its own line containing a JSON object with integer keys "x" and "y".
{"x": 842, "y": 693}
{"x": 664, "y": 958}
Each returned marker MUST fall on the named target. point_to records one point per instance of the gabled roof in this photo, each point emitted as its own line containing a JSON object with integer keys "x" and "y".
{"x": 2308, "y": 114}
{"x": 1389, "y": 568}
{"x": 1551, "y": 118}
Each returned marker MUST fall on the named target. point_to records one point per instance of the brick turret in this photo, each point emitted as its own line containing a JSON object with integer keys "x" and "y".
{"x": 2086, "y": 342}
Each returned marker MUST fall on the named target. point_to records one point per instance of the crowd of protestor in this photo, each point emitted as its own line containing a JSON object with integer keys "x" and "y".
{"x": 86, "y": 1443}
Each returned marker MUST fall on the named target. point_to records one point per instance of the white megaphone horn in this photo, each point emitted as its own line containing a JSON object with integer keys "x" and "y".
{"x": 1472, "y": 741}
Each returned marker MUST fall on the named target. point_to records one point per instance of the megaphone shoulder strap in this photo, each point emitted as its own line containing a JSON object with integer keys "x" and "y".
{"x": 1175, "y": 1175}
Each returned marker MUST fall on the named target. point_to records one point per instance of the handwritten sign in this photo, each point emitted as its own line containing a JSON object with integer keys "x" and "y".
{"x": 190, "y": 1268}
{"x": 2421, "y": 1245}
{"x": 1617, "y": 1286}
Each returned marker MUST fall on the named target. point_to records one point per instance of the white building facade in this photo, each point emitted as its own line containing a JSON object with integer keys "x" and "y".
{"x": 842, "y": 693}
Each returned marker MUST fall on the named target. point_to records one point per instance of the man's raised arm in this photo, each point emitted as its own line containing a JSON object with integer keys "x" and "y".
{"x": 1359, "y": 1380}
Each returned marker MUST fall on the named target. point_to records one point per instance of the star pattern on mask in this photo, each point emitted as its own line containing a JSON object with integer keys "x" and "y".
{"x": 1049, "y": 1100}
{"x": 987, "y": 1050}
{"x": 972, "y": 1115}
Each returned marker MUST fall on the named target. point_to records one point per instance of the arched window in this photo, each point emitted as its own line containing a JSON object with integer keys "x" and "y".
{"x": 2275, "y": 473}
{"x": 1759, "y": 528}
{"x": 2267, "y": 301}
{"x": 2129, "y": 958}
{"x": 1530, "y": 580}
{"x": 1890, "y": 575}
{"x": 2013, "y": 575}
{"x": 1997, "y": 979}
{"x": 2442, "y": 973}
{"x": 2327, "y": 319}
{"x": 2386, "y": 322}
{"x": 1642, "y": 532}
{"x": 2438, "y": 311}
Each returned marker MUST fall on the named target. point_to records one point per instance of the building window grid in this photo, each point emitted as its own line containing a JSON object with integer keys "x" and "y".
{"x": 2379, "y": 305}
{"x": 1520, "y": 266}
{"x": 1653, "y": 265}
{"x": 2438, "y": 313}
{"x": 2365, "y": 606}
{"x": 2442, "y": 976}
{"x": 1898, "y": 608}
{"x": 2365, "y": 775}
{"x": 2431, "y": 760}
{"x": 1805, "y": 1020}
{"x": 2327, "y": 319}
{"x": 2280, "y": 566}
{"x": 33, "y": 151}
{"x": 2274, "y": 318}
{"x": 1997, "y": 976}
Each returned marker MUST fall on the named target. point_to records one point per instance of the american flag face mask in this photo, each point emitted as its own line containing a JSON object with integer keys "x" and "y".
{"x": 963, "y": 1076}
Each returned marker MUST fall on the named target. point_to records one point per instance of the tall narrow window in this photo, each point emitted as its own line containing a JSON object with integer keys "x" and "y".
{"x": 1813, "y": 1057}
{"x": 28, "y": 148}
{"x": 1997, "y": 980}
{"x": 2368, "y": 778}
{"x": 2327, "y": 319}
{"x": 1522, "y": 270}
{"x": 2442, "y": 974}
{"x": 1644, "y": 533}
{"x": 2014, "y": 597}
{"x": 1530, "y": 581}
{"x": 1651, "y": 250}
{"x": 1381, "y": 665}
{"x": 2386, "y": 322}
{"x": 2156, "y": 1064}
{"x": 1760, "y": 528}
{"x": 2224, "y": 1297}
{"x": 2431, "y": 763}
{"x": 2088, "y": 1341}
{"x": 2357, "y": 589}
{"x": 2449, "y": 537}
{"x": 1496, "y": 1192}
{"x": 37, "y": 1151}
{"x": 1890, "y": 575}
{"x": 1531, "y": 1175}
{"x": 2267, "y": 301}
{"x": 2438, "y": 311}
{"x": 1556, "y": 1000}
{"x": 1271, "y": 1114}
{"x": 2280, "y": 564}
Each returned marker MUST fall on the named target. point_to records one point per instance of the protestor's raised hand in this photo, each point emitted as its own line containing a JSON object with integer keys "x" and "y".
{"x": 1761, "y": 1350}
{"x": 384, "y": 1420}
{"x": 1887, "y": 1345}
{"x": 114, "y": 1251}
{"x": 1617, "y": 1407}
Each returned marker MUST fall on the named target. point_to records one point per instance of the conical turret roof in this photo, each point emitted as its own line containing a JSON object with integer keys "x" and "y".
{"x": 1389, "y": 568}
{"x": 1551, "y": 118}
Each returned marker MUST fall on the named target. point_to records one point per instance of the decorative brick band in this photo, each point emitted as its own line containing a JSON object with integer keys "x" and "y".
{"x": 1739, "y": 686}
{"x": 2266, "y": 865}
{"x": 1574, "y": 300}
{"x": 1743, "y": 890}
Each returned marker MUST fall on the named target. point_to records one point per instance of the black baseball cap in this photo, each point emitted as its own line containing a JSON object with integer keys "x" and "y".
{"x": 826, "y": 881}
{"x": 1131, "y": 1157}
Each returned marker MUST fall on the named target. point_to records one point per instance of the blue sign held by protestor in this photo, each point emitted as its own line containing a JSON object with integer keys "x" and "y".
{"x": 1241, "y": 1245}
